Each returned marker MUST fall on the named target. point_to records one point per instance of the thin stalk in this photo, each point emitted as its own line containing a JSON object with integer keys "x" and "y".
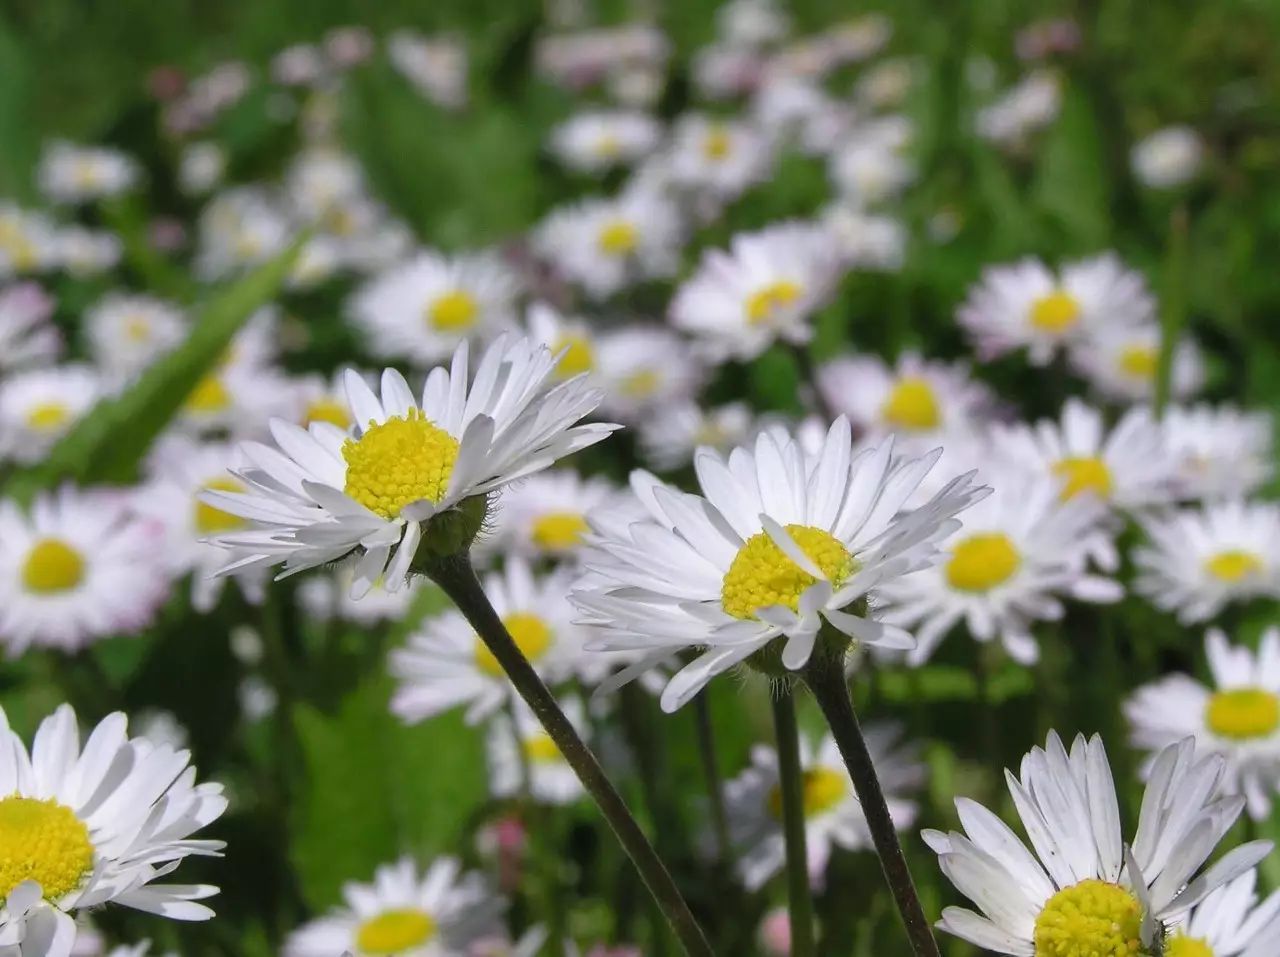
{"x": 711, "y": 769}
{"x": 457, "y": 579}
{"x": 825, "y": 677}
{"x": 791, "y": 781}
{"x": 1174, "y": 313}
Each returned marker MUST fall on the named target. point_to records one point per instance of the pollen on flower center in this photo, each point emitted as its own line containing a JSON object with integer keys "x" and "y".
{"x": 1055, "y": 313}
{"x": 823, "y": 789}
{"x": 608, "y": 146}
{"x": 1090, "y": 918}
{"x": 52, "y": 566}
{"x": 209, "y": 395}
{"x": 455, "y": 311}
{"x": 761, "y": 574}
{"x": 1243, "y": 713}
{"x": 764, "y": 304}
{"x": 1083, "y": 474}
{"x": 640, "y": 384}
{"x": 540, "y": 749}
{"x": 1233, "y": 565}
{"x": 618, "y": 238}
{"x": 531, "y": 634}
{"x": 137, "y": 329}
{"x": 1139, "y": 362}
{"x": 327, "y": 410}
{"x": 209, "y": 519}
{"x": 47, "y": 416}
{"x": 395, "y": 931}
{"x": 42, "y": 841}
{"x": 717, "y": 144}
{"x": 558, "y": 531}
{"x": 398, "y": 462}
{"x": 912, "y": 405}
{"x": 578, "y": 355}
{"x": 1181, "y": 945}
{"x": 981, "y": 562}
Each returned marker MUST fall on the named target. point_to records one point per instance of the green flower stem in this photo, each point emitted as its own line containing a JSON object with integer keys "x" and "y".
{"x": 791, "y": 780}
{"x": 711, "y": 768}
{"x": 1173, "y": 315}
{"x": 825, "y": 677}
{"x": 457, "y": 579}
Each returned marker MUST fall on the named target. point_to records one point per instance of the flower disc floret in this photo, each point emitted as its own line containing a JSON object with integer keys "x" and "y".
{"x": 1243, "y": 713}
{"x": 981, "y": 562}
{"x": 762, "y": 575}
{"x": 395, "y": 931}
{"x": 42, "y": 841}
{"x": 1090, "y": 919}
{"x": 398, "y": 462}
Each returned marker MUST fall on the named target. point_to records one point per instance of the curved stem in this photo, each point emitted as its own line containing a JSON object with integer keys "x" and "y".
{"x": 457, "y": 579}
{"x": 710, "y": 768}
{"x": 791, "y": 781}
{"x": 825, "y": 677}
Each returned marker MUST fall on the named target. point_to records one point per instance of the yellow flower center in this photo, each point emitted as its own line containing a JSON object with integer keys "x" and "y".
{"x": 1055, "y": 313}
{"x": 398, "y": 462}
{"x": 395, "y": 931}
{"x": 823, "y": 788}
{"x": 52, "y": 566}
{"x": 717, "y": 144}
{"x": 209, "y": 519}
{"x": 641, "y": 384}
{"x": 761, "y": 574}
{"x": 137, "y": 329}
{"x": 209, "y": 396}
{"x": 328, "y": 410}
{"x": 48, "y": 416}
{"x": 1243, "y": 713}
{"x": 42, "y": 841}
{"x": 608, "y": 146}
{"x": 764, "y": 304}
{"x": 981, "y": 562}
{"x": 1139, "y": 362}
{"x": 455, "y": 311}
{"x": 558, "y": 531}
{"x": 530, "y": 633}
{"x": 1090, "y": 919}
{"x": 618, "y": 238}
{"x": 540, "y": 749}
{"x": 86, "y": 174}
{"x": 578, "y": 356}
{"x": 912, "y": 405}
{"x": 1233, "y": 565}
{"x": 1086, "y": 473}
{"x": 1181, "y": 945}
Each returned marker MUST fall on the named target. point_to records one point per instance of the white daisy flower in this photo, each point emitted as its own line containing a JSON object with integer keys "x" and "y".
{"x": 720, "y": 156}
{"x": 545, "y": 516}
{"x": 867, "y": 174}
{"x": 75, "y": 567}
{"x": 422, "y": 309}
{"x": 84, "y": 253}
{"x": 81, "y": 174}
{"x": 28, "y": 241}
{"x": 201, "y": 167}
{"x": 723, "y": 72}
{"x": 300, "y": 64}
{"x": 1026, "y": 305}
{"x": 322, "y": 179}
{"x": 784, "y": 542}
{"x": 446, "y": 664}
{"x": 1086, "y": 890}
{"x": 1218, "y": 451}
{"x": 1198, "y": 561}
{"x": 1020, "y": 552}
{"x": 752, "y": 23}
{"x": 1167, "y": 158}
{"x": 551, "y": 779}
{"x": 436, "y": 913}
{"x": 39, "y": 406}
{"x": 239, "y": 228}
{"x": 529, "y": 945}
{"x": 642, "y": 367}
{"x": 236, "y": 399}
{"x": 886, "y": 85}
{"x": 92, "y": 825}
{"x": 328, "y": 597}
{"x": 765, "y": 288}
{"x": 436, "y": 67}
{"x": 597, "y": 140}
{"x": 322, "y": 399}
{"x": 1121, "y": 362}
{"x": 27, "y": 337}
{"x": 330, "y": 492}
{"x": 570, "y": 338}
{"x": 1021, "y": 111}
{"x": 863, "y": 240}
{"x": 126, "y": 332}
{"x": 669, "y": 438}
{"x": 606, "y": 245}
{"x": 832, "y": 813}
{"x": 921, "y": 400}
{"x": 1238, "y": 717}
{"x": 1230, "y": 922}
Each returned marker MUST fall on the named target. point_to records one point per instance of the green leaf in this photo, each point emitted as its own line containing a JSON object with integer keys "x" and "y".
{"x": 1071, "y": 181}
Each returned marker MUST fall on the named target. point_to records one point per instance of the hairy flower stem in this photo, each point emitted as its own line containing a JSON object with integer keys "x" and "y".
{"x": 457, "y": 579}
{"x": 791, "y": 781}
{"x": 825, "y": 677}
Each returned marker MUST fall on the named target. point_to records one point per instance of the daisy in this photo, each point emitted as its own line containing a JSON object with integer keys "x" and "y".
{"x": 863, "y": 240}
{"x": 236, "y": 399}
{"x": 1027, "y": 305}
{"x": 1218, "y": 451}
{"x": 669, "y": 437}
{"x": 1121, "y": 362}
{"x": 765, "y": 288}
{"x": 752, "y": 23}
{"x": 422, "y": 309}
{"x": 1020, "y": 552}
{"x": 867, "y": 174}
{"x": 28, "y": 241}
{"x": 642, "y": 367}
{"x": 717, "y": 155}
{"x": 832, "y": 813}
{"x": 240, "y": 228}
{"x": 436, "y": 67}
{"x": 1086, "y": 890}
{"x": 446, "y": 664}
{"x": 887, "y": 84}
{"x": 125, "y": 333}
{"x": 27, "y": 337}
{"x": 545, "y": 516}
{"x": 80, "y": 174}
{"x": 39, "y": 406}
{"x": 328, "y": 598}
{"x": 1199, "y": 560}
{"x": 1230, "y": 922}
{"x": 570, "y": 338}
{"x": 597, "y": 140}
{"x": 1021, "y": 111}
{"x": 320, "y": 180}
{"x": 782, "y": 542}
{"x": 321, "y": 399}
{"x": 92, "y": 825}
{"x": 84, "y": 253}
{"x": 201, "y": 167}
{"x": 1168, "y": 158}
{"x": 436, "y": 913}
{"x": 551, "y": 780}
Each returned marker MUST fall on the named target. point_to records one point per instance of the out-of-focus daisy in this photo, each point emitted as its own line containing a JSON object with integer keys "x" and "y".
{"x": 1021, "y": 550}
{"x": 1086, "y": 890}
{"x": 27, "y": 337}
{"x": 423, "y": 308}
{"x": 1022, "y": 110}
{"x": 320, "y": 399}
{"x": 1230, "y": 922}
{"x": 869, "y": 174}
{"x": 501, "y": 945}
{"x": 917, "y": 399}
{"x": 85, "y": 826}
{"x": 784, "y": 541}
{"x": 349, "y": 45}
{"x": 1167, "y": 158}
{"x": 200, "y": 168}
{"x": 885, "y": 85}
{"x": 1218, "y": 452}
{"x": 1121, "y": 363}
{"x": 641, "y": 367}
{"x": 300, "y": 64}
{"x": 751, "y": 23}
{"x": 1237, "y": 717}
{"x": 86, "y": 252}
{"x": 765, "y": 288}
{"x": 28, "y": 241}
{"x": 80, "y": 174}
{"x": 126, "y": 332}
{"x": 605, "y": 245}
{"x": 570, "y": 338}
{"x": 545, "y": 515}
{"x": 239, "y": 228}
{"x": 328, "y": 596}
{"x": 514, "y": 748}
{"x": 39, "y": 406}
{"x": 865, "y": 241}
{"x": 436, "y": 67}
{"x": 403, "y": 912}
{"x": 320, "y": 180}
{"x": 236, "y": 399}
{"x": 597, "y": 140}
{"x": 446, "y": 664}
{"x": 718, "y": 155}
{"x": 329, "y": 492}
{"x": 832, "y": 813}
{"x": 1027, "y": 305}
{"x": 669, "y": 438}
{"x": 1199, "y": 560}
{"x": 721, "y": 71}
